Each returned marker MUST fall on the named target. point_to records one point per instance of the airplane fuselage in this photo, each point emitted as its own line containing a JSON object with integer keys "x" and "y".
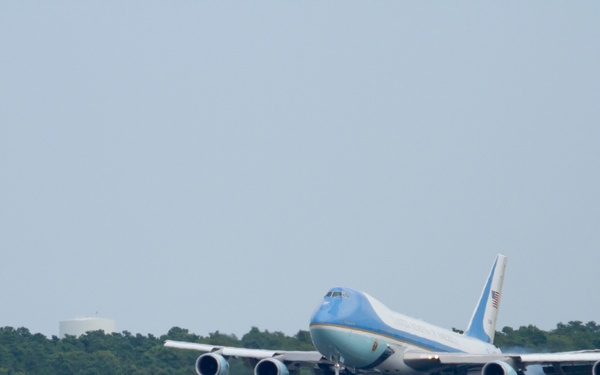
{"x": 357, "y": 331}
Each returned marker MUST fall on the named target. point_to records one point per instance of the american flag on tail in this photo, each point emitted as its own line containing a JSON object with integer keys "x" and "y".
{"x": 495, "y": 298}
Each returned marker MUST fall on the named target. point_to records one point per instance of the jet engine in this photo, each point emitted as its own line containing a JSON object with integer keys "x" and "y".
{"x": 498, "y": 368}
{"x": 212, "y": 364}
{"x": 596, "y": 368}
{"x": 271, "y": 366}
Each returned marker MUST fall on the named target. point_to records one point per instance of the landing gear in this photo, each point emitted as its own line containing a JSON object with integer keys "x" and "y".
{"x": 336, "y": 368}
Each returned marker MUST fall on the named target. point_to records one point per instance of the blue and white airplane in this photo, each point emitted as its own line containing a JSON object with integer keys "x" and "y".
{"x": 356, "y": 334}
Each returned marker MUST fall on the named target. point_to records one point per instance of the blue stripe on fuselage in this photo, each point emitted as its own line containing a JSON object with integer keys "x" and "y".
{"x": 356, "y": 313}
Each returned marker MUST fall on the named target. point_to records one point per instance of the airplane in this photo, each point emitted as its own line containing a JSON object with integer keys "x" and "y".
{"x": 355, "y": 334}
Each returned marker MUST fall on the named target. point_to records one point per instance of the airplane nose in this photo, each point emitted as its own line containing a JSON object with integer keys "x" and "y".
{"x": 338, "y": 326}
{"x": 327, "y": 322}
{"x": 327, "y": 313}
{"x": 327, "y": 339}
{"x": 332, "y": 311}
{"x": 346, "y": 346}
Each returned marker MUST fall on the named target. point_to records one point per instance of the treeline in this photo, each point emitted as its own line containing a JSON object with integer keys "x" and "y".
{"x": 574, "y": 335}
{"x": 95, "y": 353}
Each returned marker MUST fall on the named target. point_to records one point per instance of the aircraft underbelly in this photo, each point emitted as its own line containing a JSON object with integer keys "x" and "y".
{"x": 353, "y": 348}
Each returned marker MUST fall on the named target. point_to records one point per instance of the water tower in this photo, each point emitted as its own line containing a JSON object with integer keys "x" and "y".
{"x": 78, "y": 326}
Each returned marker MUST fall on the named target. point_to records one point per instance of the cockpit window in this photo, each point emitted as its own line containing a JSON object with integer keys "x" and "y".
{"x": 337, "y": 295}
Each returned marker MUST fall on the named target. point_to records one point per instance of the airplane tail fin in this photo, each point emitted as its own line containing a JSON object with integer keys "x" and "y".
{"x": 483, "y": 322}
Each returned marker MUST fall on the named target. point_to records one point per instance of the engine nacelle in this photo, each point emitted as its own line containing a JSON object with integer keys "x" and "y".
{"x": 270, "y": 366}
{"x": 212, "y": 364}
{"x": 596, "y": 368}
{"x": 498, "y": 368}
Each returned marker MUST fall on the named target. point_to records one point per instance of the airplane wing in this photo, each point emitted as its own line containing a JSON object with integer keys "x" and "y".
{"x": 254, "y": 357}
{"x": 565, "y": 363}
{"x": 227, "y": 351}
{"x": 564, "y": 357}
{"x": 587, "y": 361}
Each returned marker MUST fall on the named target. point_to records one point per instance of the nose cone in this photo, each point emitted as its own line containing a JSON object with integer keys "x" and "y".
{"x": 337, "y": 328}
{"x": 327, "y": 322}
{"x": 338, "y": 305}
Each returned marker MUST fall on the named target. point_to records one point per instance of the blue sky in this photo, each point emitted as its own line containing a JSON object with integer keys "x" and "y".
{"x": 221, "y": 165}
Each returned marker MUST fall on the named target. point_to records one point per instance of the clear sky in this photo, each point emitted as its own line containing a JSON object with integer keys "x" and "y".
{"x": 221, "y": 165}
